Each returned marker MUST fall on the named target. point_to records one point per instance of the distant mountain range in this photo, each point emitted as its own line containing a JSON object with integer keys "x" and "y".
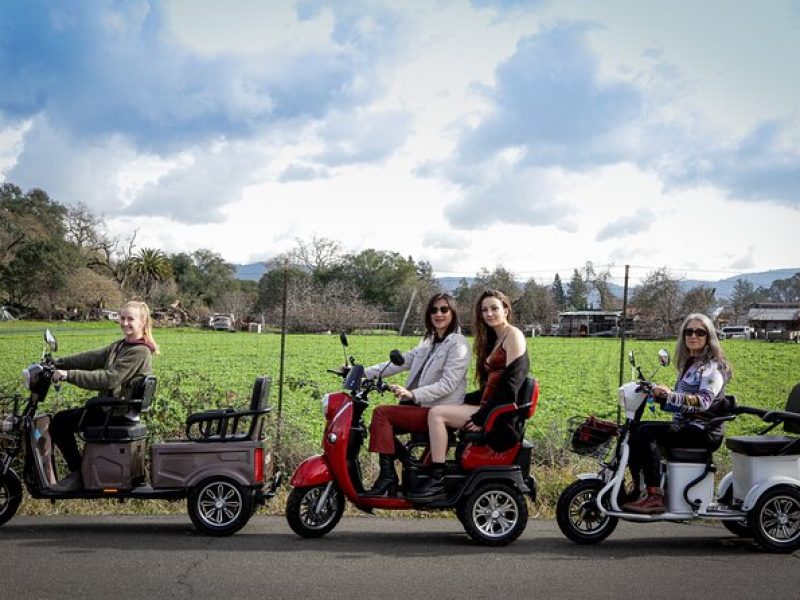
{"x": 723, "y": 287}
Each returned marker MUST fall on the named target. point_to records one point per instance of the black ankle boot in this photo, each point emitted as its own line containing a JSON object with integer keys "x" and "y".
{"x": 434, "y": 488}
{"x": 386, "y": 483}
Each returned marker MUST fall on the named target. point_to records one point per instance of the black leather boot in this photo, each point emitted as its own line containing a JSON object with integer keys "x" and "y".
{"x": 434, "y": 488}
{"x": 386, "y": 483}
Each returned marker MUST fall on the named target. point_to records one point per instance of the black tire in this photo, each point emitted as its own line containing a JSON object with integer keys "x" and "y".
{"x": 308, "y": 524}
{"x": 578, "y": 516}
{"x": 495, "y": 514}
{"x": 738, "y": 528}
{"x": 220, "y": 506}
{"x": 10, "y": 496}
{"x": 775, "y": 519}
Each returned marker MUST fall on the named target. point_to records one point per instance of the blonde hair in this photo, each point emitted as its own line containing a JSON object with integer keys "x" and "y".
{"x": 144, "y": 314}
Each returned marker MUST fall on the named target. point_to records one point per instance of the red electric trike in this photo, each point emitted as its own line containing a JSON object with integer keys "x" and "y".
{"x": 486, "y": 482}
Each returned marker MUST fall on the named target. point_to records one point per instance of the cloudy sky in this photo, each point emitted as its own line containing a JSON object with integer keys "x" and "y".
{"x": 532, "y": 134}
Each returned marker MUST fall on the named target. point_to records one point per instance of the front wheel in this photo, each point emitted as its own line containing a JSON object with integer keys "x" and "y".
{"x": 578, "y": 516}
{"x": 219, "y": 506}
{"x": 775, "y": 519}
{"x": 495, "y": 514}
{"x": 307, "y": 516}
{"x": 10, "y": 496}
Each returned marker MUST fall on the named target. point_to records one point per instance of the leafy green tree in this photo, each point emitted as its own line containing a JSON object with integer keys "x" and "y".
{"x": 149, "y": 267}
{"x": 270, "y": 286}
{"x": 785, "y": 290}
{"x": 744, "y": 294}
{"x": 382, "y": 279}
{"x": 536, "y": 305}
{"x": 576, "y": 291}
{"x": 559, "y": 296}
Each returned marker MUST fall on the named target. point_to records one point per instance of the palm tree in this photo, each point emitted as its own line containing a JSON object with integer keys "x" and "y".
{"x": 148, "y": 267}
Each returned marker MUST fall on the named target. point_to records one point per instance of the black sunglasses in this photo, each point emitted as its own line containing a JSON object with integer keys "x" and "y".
{"x": 697, "y": 332}
{"x": 442, "y": 309}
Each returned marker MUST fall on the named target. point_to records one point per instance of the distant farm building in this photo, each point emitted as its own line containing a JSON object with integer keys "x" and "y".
{"x": 772, "y": 321}
{"x": 582, "y": 323}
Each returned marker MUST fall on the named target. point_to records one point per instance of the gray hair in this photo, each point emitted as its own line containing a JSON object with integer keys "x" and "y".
{"x": 711, "y": 351}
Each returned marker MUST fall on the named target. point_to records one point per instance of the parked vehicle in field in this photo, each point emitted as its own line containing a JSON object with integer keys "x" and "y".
{"x": 782, "y": 335}
{"x": 736, "y": 332}
{"x": 220, "y": 468}
{"x": 759, "y": 498}
{"x": 485, "y": 487}
{"x": 222, "y": 322}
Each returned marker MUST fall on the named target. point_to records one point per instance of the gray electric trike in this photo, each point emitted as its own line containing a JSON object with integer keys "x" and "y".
{"x": 223, "y": 467}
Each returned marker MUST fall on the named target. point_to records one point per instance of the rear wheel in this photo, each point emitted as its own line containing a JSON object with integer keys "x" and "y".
{"x": 309, "y": 520}
{"x": 775, "y": 519}
{"x": 738, "y": 528}
{"x": 10, "y": 495}
{"x": 219, "y": 506}
{"x": 494, "y": 514}
{"x": 578, "y": 516}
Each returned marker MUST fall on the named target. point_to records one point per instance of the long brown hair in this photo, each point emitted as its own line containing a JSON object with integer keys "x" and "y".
{"x": 430, "y": 330}
{"x": 144, "y": 315}
{"x": 485, "y": 336}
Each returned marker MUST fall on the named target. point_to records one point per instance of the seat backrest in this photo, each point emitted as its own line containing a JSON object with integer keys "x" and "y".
{"x": 260, "y": 392}
{"x": 793, "y": 405}
{"x": 528, "y": 397}
{"x": 144, "y": 389}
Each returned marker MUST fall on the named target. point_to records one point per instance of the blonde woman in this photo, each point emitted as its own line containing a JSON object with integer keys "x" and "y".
{"x": 111, "y": 371}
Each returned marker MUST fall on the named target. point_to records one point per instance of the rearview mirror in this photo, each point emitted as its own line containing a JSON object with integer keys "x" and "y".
{"x": 343, "y": 338}
{"x": 50, "y": 340}
{"x": 663, "y": 357}
{"x": 396, "y": 357}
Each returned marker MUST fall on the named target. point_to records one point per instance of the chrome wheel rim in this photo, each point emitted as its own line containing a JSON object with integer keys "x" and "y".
{"x": 583, "y": 512}
{"x": 219, "y": 504}
{"x": 495, "y": 513}
{"x": 780, "y": 519}
{"x": 317, "y": 519}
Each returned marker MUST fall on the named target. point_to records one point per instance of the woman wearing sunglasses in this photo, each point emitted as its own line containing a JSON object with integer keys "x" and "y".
{"x": 501, "y": 366}
{"x": 699, "y": 394}
{"x": 437, "y": 375}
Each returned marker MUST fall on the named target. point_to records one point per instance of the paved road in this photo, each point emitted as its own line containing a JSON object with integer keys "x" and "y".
{"x": 370, "y": 557}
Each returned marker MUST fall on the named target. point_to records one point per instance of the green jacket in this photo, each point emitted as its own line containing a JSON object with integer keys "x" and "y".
{"x": 111, "y": 369}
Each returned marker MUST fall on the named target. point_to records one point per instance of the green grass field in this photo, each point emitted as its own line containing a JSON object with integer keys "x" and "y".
{"x": 198, "y": 369}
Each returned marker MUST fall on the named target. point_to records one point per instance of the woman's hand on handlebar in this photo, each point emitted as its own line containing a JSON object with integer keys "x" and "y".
{"x": 401, "y": 393}
{"x": 59, "y": 375}
{"x": 659, "y": 392}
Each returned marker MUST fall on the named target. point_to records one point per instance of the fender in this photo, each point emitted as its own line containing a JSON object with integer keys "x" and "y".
{"x": 312, "y": 471}
{"x": 511, "y": 475}
{"x": 725, "y": 485}
{"x": 587, "y": 476}
{"x": 762, "y": 486}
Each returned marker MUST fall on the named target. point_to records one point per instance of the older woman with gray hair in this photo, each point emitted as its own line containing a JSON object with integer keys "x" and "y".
{"x": 699, "y": 394}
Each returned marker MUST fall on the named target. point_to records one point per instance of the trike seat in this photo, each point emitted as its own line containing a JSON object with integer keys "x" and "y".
{"x": 503, "y": 432}
{"x": 726, "y": 412}
{"x": 121, "y": 422}
{"x": 772, "y": 445}
{"x": 229, "y": 424}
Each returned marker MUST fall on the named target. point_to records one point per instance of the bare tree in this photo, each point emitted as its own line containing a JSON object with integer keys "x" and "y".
{"x": 317, "y": 255}
{"x": 658, "y": 299}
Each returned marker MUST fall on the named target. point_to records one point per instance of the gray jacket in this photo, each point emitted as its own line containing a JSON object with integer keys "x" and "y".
{"x": 442, "y": 378}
